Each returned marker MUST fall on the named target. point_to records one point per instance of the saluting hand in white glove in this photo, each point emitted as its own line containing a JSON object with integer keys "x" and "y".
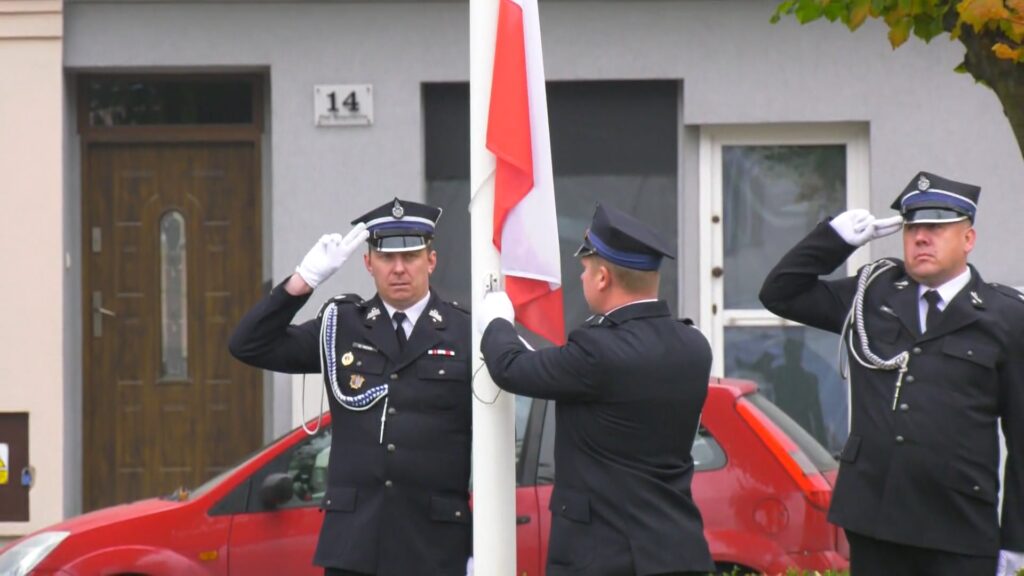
{"x": 857, "y": 227}
{"x": 329, "y": 253}
{"x": 495, "y": 305}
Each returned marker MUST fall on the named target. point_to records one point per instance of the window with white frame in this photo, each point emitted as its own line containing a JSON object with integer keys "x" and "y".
{"x": 763, "y": 188}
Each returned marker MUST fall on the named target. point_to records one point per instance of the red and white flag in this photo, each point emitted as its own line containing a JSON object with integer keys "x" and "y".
{"x": 525, "y": 225}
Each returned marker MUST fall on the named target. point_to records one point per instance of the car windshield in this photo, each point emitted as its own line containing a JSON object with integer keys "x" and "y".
{"x": 814, "y": 451}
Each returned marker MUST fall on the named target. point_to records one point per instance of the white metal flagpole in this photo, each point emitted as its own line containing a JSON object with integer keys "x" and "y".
{"x": 494, "y": 506}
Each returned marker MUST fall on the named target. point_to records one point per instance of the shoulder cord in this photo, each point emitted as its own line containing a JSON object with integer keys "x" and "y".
{"x": 328, "y": 363}
{"x": 856, "y": 318}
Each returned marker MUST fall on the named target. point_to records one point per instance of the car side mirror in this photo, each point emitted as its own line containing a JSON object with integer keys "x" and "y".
{"x": 276, "y": 490}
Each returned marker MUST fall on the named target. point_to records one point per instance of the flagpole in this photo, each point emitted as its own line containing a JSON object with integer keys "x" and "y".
{"x": 494, "y": 500}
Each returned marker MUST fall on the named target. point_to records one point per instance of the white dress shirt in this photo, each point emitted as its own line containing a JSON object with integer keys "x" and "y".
{"x": 947, "y": 292}
{"x": 412, "y": 314}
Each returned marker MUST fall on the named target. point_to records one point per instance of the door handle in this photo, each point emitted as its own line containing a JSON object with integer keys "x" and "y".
{"x": 98, "y": 312}
{"x": 520, "y": 520}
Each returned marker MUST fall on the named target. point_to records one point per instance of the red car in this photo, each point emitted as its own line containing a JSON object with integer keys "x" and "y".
{"x": 762, "y": 484}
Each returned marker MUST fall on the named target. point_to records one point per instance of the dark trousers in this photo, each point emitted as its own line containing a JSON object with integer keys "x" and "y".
{"x": 871, "y": 557}
{"x": 340, "y": 572}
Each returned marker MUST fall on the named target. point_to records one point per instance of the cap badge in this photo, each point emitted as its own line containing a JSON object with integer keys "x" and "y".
{"x": 356, "y": 381}
{"x": 397, "y": 211}
{"x": 373, "y": 313}
{"x": 435, "y": 315}
{"x": 347, "y": 358}
{"x": 923, "y": 183}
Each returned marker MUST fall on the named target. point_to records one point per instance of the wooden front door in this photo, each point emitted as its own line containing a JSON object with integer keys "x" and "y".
{"x": 171, "y": 243}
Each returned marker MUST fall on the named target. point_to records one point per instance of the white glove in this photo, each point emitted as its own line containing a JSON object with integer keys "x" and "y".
{"x": 495, "y": 305}
{"x": 1010, "y": 563}
{"x": 469, "y": 566}
{"x": 857, "y": 227}
{"x": 329, "y": 253}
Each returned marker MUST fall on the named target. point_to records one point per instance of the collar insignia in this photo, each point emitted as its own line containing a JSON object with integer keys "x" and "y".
{"x": 435, "y": 315}
{"x": 373, "y": 313}
{"x": 901, "y": 284}
{"x": 976, "y": 300}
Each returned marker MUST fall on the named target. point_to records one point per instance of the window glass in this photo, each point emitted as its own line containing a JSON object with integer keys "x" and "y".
{"x": 173, "y": 298}
{"x": 306, "y": 463}
{"x": 611, "y": 142}
{"x": 772, "y": 197}
{"x": 133, "y": 101}
{"x": 707, "y": 453}
{"x": 796, "y": 368}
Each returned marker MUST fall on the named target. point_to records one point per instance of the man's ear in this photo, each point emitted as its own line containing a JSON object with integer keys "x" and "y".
{"x": 366, "y": 262}
{"x": 604, "y": 277}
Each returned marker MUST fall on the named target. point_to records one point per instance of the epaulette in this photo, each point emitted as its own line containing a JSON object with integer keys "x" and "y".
{"x": 597, "y": 320}
{"x": 354, "y": 299}
{"x": 1008, "y": 291}
{"x": 458, "y": 307}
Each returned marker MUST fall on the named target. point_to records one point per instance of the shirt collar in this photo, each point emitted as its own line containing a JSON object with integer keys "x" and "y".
{"x": 412, "y": 312}
{"x": 629, "y": 304}
{"x": 950, "y": 289}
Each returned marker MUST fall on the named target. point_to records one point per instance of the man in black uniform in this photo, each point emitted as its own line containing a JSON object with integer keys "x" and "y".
{"x": 936, "y": 357}
{"x": 629, "y": 385}
{"x": 396, "y": 368}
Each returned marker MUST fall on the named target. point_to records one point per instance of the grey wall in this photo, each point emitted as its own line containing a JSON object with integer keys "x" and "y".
{"x": 735, "y": 68}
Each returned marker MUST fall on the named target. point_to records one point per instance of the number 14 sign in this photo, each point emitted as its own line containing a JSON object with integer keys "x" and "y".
{"x": 343, "y": 105}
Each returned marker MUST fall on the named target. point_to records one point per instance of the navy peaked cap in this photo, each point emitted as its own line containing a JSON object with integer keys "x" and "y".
{"x": 400, "y": 225}
{"x": 623, "y": 240}
{"x": 929, "y": 198}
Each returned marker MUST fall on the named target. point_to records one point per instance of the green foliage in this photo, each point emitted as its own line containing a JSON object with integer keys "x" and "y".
{"x": 925, "y": 19}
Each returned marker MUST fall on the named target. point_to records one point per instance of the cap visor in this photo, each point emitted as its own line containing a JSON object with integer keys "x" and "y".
{"x": 932, "y": 216}
{"x": 399, "y": 243}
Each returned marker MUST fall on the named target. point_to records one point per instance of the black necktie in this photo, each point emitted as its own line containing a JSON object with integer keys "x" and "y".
{"x": 400, "y": 330}
{"x": 934, "y": 313}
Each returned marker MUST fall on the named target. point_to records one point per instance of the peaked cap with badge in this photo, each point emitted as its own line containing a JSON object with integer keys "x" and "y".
{"x": 932, "y": 199}
{"x": 400, "y": 225}
{"x": 623, "y": 240}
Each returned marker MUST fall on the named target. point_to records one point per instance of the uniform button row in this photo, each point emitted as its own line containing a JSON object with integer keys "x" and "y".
{"x": 904, "y": 407}
{"x": 916, "y": 350}
{"x": 909, "y": 378}
{"x": 388, "y": 484}
{"x": 391, "y": 447}
{"x": 899, "y": 439}
{"x": 392, "y": 410}
{"x": 394, "y": 376}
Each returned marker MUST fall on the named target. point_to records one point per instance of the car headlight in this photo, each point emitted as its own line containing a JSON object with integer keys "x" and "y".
{"x": 25, "y": 555}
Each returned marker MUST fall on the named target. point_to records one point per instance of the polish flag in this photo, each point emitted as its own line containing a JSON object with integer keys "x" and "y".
{"x": 525, "y": 225}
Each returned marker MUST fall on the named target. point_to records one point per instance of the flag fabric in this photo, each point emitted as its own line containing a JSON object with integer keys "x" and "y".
{"x": 525, "y": 224}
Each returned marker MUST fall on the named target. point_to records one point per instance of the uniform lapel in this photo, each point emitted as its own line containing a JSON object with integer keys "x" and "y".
{"x": 961, "y": 311}
{"x": 903, "y": 301}
{"x": 424, "y": 333}
{"x": 379, "y": 329}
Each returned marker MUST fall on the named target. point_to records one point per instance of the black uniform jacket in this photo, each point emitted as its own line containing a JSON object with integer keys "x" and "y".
{"x": 399, "y": 505}
{"x": 927, "y": 473}
{"x": 629, "y": 388}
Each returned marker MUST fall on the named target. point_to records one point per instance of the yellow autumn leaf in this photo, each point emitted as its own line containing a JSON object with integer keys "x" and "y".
{"x": 1016, "y": 6}
{"x": 1006, "y": 53}
{"x": 1014, "y": 28}
{"x": 859, "y": 12}
{"x": 978, "y": 13}
{"x": 899, "y": 31}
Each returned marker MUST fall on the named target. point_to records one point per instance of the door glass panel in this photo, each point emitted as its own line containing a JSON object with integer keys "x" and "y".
{"x": 173, "y": 298}
{"x": 170, "y": 101}
{"x": 772, "y": 196}
{"x": 796, "y": 368}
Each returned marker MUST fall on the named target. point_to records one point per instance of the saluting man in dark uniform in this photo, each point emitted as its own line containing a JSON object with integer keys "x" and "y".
{"x": 629, "y": 386}
{"x": 936, "y": 358}
{"x": 396, "y": 368}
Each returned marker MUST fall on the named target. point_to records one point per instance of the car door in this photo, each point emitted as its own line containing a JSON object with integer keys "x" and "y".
{"x": 530, "y": 549}
{"x": 282, "y": 539}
